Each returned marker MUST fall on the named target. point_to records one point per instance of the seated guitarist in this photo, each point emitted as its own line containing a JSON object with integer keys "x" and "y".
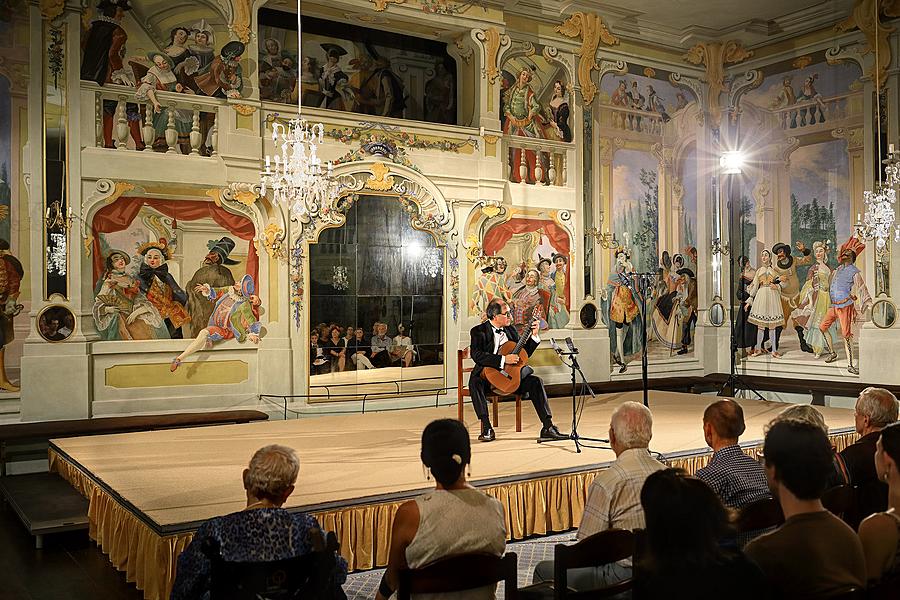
{"x": 487, "y": 338}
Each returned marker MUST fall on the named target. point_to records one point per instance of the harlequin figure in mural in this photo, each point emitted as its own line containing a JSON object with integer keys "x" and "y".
{"x": 492, "y": 283}
{"x": 235, "y": 316}
{"x": 440, "y": 96}
{"x": 160, "y": 77}
{"x": 849, "y": 301}
{"x": 214, "y": 273}
{"x": 558, "y": 111}
{"x": 558, "y": 316}
{"x": 785, "y": 268}
{"x": 687, "y": 292}
{"x": 744, "y": 331}
{"x": 224, "y": 79}
{"x": 104, "y": 42}
{"x": 523, "y": 118}
{"x": 121, "y": 310}
{"x": 11, "y": 274}
{"x": 763, "y": 304}
{"x": 160, "y": 287}
{"x": 529, "y": 297}
{"x": 814, "y": 300}
{"x": 624, "y": 315}
{"x": 333, "y": 79}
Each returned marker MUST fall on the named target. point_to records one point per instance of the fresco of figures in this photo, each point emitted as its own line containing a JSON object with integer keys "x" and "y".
{"x": 355, "y": 69}
{"x": 642, "y": 100}
{"x": 528, "y": 268}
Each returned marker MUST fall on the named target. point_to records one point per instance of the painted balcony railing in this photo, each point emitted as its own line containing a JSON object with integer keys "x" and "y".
{"x": 631, "y": 119}
{"x": 811, "y": 113}
{"x": 532, "y": 161}
{"x": 181, "y": 123}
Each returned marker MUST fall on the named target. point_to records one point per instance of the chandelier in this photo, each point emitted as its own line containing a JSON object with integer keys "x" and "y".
{"x": 296, "y": 175}
{"x": 340, "y": 280}
{"x": 432, "y": 262}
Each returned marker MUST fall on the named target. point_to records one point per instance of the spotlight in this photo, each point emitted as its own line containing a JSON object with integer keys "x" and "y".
{"x": 732, "y": 162}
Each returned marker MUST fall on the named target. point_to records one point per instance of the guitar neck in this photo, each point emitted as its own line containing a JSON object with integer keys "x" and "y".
{"x": 523, "y": 339}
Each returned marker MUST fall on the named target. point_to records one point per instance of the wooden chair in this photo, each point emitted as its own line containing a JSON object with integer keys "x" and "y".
{"x": 597, "y": 550}
{"x": 886, "y": 589}
{"x": 839, "y": 500}
{"x": 459, "y": 573}
{"x": 762, "y": 514}
{"x": 463, "y": 390}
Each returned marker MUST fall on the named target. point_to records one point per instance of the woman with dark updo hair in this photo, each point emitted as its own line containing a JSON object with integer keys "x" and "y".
{"x": 880, "y": 533}
{"x": 453, "y": 519}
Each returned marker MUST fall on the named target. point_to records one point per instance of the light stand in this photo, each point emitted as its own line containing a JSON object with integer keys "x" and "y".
{"x": 574, "y": 366}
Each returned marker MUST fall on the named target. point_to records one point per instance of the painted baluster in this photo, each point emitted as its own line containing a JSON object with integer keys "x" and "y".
{"x": 195, "y": 131}
{"x": 214, "y": 136}
{"x": 148, "y": 133}
{"x": 539, "y": 166}
{"x": 523, "y": 166}
{"x": 564, "y": 168}
{"x": 121, "y": 124}
{"x": 551, "y": 170}
{"x": 171, "y": 132}
{"x": 98, "y": 120}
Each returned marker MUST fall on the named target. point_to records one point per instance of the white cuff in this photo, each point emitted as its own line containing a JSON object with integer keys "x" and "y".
{"x": 536, "y": 338}
{"x": 502, "y": 362}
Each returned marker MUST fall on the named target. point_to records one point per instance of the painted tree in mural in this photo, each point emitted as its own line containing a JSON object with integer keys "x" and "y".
{"x": 810, "y": 223}
{"x": 748, "y": 227}
{"x": 646, "y": 237}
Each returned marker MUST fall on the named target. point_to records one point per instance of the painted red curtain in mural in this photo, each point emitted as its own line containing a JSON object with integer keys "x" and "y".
{"x": 499, "y": 235}
{"x": 119, "y": 215}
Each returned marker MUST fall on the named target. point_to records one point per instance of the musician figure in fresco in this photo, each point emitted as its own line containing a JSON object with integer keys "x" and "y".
{"x": 485, "y": 343}
{"x": 624, "y": 314}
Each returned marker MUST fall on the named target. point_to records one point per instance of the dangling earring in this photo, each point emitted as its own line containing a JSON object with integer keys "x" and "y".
{"x": 426, "y": 472}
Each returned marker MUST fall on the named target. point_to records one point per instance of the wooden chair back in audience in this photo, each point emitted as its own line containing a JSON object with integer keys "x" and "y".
{"x": 459, "y": 573}
{"x": 462, "y": 391}
{"x": 886, "y": 589}
{"x": 839, "y": 500}
{"x": 762, "y": 514}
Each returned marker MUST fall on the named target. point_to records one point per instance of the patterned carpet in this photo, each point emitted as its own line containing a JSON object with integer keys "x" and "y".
{"x": 363, "y": 585}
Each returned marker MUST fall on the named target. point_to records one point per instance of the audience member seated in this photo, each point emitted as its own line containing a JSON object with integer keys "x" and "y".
{"x": 805, "y": 412}
{"x": 880, "y": 532}
{"x": 453, "y": 519}
{"x": 614, "y": 498}
{"x": 348, "y": 334}
{"x": 336, "y": 350}
{"x": 402, "y": 347}
{"x": 875, "y": 408}
{"x": 813, "y": 554}
{"x": 683, "y": 556}
{"x": 737, "y": 479}
{"x": 261, "y": 532}
{"x": 381, "y": 346}
{"x": 358, "y": 349}
{"x": 318, "y": 363}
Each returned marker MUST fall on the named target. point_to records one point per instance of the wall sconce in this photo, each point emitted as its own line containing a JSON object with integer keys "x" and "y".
{"x": 56, "y": 218}
{"x": 606, "y": 239}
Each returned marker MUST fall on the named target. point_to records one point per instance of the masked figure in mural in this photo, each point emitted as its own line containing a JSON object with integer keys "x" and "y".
{"x": 224, "y": 78}
{"x": 558, "y": 112}
{"x": 492, "y": 283}
{"x": 334, "y": 81}
{"x": 235, "y": 316}
{"x": 558, "y": 312}
{"x": 214, "y": 274}
{"x": 202, "y": 48}
{"x": 656, "y": 104}
{"x": 849, "y": 301}
{"x": 527, "y": 297}
{"x": 687, "y": 305}
{"x": 523, "y": 118}
{"x": 440, "y": 96}
{"x": 785, "y": 96}
{"x": 121, "y": 310}
{"x": 624, "y": 315}
{"x": 104, "y": 42}
{"x": 160, "y": 287}
{"x": 620, "y": 95}
{"x": 160, "y": 77}
{"x": 744, "y": 331}
{"x": 814, "y": 301}
{"x": 785, "y": 268}
{"x": 11, "y": 274}
{"x": 764, "y": 303}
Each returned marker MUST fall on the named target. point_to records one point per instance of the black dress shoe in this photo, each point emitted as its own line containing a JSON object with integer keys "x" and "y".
{"x": 683, "y": 350}
{"x": 487, "y": 434}
{"x": 551, "y": 433}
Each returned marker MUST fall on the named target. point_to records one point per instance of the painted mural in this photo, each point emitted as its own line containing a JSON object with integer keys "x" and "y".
{"x": 529, "y": 269}
{"x": 641, "y": 100}
{"x": 635, "y": 206}
{"x": 355, "y": 69}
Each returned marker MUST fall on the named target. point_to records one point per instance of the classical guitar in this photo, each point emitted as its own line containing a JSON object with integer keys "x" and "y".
{"x": 506, "y": 381}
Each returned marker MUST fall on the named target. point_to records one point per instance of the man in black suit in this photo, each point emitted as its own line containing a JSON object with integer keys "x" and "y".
{"x": 486, "y": 340}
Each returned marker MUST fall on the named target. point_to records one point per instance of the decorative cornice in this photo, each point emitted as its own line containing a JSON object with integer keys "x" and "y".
{"x": 752, "y": 80}
{"x": 855, "y": 137}
{"x": 381, "y": 5}
{"x": 866, "y": 17}
{"x": 380, "y": 180}
{"x": 590, "y": 27}
{"x": 607, "y": 147}
{"x": 714, "y": 56}
{"x": 245, "y": 193}
{"x": 240, "y": 23}
{"x": 244, "y": 109}
{"x": 491, "y": 41}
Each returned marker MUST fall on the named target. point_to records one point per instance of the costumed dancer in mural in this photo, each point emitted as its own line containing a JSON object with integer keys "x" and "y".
{"x": 11, "y": 274}
{"x": 235, "y": 315}
{"x": 160, "y": 287}
{"x": 558, "y": 315}
{"x": 744, "y": 331}
{"x": 785, "y": 268}
{"x": 764, "y": 303}
{"x": 214, "y": 273}
{"x": 687, "y": 292}
{"x": 121, "y": 311}
{"x": 336, "y": 93}
{"x": 814, "y": 300}
{"x": 624, "y": 315}
{"x": 104, "y": 43}
{"x": 558, "y": 112}
{"x": 224, "y": 79}
{"x": 440, "y": 96}
{"x": 485, "y": 341}
{"x": 849, "y": 301}
{"x": 523, "y": 118}
{"x": 160, "y": 77}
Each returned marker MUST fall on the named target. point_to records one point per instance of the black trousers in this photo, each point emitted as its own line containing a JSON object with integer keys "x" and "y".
{"x": 686, "y": 330}
{"x": 531, "y": 387}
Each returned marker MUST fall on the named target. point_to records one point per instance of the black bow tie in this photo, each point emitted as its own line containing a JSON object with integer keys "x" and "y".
{"x": 499, "y": 331}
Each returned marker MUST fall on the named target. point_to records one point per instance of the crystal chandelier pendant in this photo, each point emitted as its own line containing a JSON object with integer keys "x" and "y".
{"x": 340, "y": 280}
{"x": 432, "y": 263}
{"x": 879, "y": 221}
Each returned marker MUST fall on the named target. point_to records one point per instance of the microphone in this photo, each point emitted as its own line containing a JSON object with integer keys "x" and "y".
{"x": 555, "y": 346}
{"x": 571, "y": 346}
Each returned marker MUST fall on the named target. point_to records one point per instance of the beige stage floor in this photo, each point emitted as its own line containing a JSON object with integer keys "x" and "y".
{"x": 184, "y": 476}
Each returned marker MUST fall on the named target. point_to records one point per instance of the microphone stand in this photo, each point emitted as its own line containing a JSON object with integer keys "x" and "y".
{"x": 574, "y": 366}
{"x": 640, "y": 284}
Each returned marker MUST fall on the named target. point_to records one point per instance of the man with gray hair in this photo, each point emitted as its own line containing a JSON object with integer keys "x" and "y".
{"x": 614, "y": 498}
{"x": 875, "y": 409}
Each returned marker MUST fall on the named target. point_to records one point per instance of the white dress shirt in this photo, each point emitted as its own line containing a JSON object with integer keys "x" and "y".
{"x": 501, "y": 338}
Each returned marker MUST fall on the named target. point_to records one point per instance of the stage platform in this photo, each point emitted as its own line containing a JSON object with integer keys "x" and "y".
{"x": 149, "y": 491}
